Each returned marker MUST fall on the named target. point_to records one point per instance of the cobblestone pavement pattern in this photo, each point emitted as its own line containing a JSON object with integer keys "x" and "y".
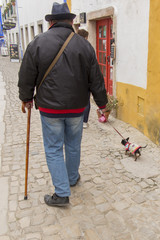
{"x": 116, "y": 199}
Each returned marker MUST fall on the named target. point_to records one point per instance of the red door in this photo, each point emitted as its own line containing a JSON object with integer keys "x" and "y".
{"x": 104, "y": 39}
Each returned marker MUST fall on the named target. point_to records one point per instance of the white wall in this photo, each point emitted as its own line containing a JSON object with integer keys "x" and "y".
{"x": 31, "y": 12}
{"x": 132, "y": 36}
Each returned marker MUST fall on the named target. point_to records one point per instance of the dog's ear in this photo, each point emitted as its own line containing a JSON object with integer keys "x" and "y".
{"x": 127, "y": 139}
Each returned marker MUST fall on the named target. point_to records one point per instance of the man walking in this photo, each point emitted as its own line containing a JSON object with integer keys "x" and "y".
{"x": 62, "y": 96}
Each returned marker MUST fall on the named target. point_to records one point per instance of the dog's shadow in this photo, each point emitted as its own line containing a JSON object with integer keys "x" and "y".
{"x": 144, "y": 167}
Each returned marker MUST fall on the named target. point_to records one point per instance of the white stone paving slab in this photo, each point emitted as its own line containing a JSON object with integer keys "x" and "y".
{"x": 3, "y": 180}
{"x": 3, "y": 205}
{"x": 2, "y": 84}
{"x": 2, "y": 130}
{"x": 2, "y": 109}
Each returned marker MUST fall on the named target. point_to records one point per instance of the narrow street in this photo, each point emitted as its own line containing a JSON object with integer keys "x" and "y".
{"x": 116, "y": 199}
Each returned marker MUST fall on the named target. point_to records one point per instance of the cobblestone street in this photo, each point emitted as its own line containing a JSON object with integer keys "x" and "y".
{"x": 116, "y": 198}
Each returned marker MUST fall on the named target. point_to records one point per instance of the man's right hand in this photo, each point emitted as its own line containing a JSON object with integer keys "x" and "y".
{"x": 27, "y": 105}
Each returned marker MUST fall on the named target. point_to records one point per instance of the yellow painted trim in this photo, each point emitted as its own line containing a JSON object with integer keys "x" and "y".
{"x": 140, "y": 107}
{"x": 69, "y": 4}
{"x": 146, "y": 115}
{"x": 153, "y": 76}
{"x": 131, "y": 107}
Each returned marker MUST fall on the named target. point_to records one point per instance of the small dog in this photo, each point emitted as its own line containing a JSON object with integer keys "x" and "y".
{"x": 132, "y": 148}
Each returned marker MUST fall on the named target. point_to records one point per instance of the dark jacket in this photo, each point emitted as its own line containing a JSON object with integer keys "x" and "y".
{"x": 74, "y": 75}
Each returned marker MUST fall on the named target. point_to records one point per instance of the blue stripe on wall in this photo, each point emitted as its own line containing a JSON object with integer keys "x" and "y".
{"x": 1, "y": 29}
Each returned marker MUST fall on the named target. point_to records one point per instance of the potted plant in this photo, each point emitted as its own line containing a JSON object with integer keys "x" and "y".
{"x": 9, "y": 5}
{"x": 5, "y": 12}
{"x": 112, "y": 104}
{"x": 13, "y": 2}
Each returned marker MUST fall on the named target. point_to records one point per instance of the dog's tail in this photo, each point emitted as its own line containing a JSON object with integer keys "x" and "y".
{"x": 145, "y": 146}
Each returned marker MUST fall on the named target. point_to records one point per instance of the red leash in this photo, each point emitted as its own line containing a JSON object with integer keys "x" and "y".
{"x": 102, "y": 115}
{"x": 116, "y": 131}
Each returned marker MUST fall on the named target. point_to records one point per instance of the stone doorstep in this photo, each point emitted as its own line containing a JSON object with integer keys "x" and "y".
{"x": 144, "y": 167}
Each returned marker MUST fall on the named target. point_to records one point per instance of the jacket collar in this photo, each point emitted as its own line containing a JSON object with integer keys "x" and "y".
{"x": 61, "y": 24}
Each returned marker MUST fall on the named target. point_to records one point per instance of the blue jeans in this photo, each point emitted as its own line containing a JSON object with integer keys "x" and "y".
{"x": 59, "y": 132}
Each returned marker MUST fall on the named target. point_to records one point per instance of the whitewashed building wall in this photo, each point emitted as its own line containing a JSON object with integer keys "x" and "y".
{"x": 31, "y": 14}
{"x": 131, "y": 21}
{"x": 131, "y": 25}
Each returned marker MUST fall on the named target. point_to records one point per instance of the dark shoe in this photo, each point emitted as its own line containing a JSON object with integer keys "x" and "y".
{"x": 55, "y": 200}
{"x": 73, "y": 185}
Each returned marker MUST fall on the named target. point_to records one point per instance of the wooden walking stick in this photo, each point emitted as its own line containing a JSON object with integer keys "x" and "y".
{"x": 27, "y": 149}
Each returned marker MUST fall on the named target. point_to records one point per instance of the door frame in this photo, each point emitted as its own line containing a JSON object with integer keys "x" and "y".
{"x": 94, "y": 16}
